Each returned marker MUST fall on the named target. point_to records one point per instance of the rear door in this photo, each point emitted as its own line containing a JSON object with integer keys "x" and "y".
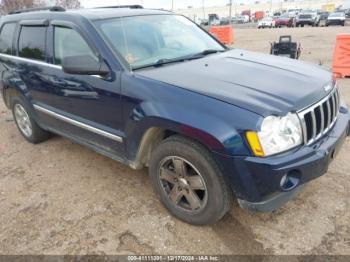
{"x": 24, "y": 56}
{"x": 31, "y": 59}
{"x": 7, "y": 33}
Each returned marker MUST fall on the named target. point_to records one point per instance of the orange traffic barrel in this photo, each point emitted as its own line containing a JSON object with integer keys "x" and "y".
{"x": 223, "y": 33}
{"x": 341, "y": 58}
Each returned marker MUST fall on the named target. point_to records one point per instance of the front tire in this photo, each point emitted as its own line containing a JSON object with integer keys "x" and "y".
{"x": 188, "y": 181}
{"x": 25, "y": 122}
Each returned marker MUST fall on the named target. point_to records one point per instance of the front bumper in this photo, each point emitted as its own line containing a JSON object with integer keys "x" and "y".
{"x": 265, "y": 25}
{"x": 335, "y": 22}
{"x": 283, "y": 23}
{"x": 305, "y": 22}
{"x": 257, "y": 182}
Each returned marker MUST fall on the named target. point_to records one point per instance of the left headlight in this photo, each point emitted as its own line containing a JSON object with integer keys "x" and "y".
{"x": 277, "y": 134}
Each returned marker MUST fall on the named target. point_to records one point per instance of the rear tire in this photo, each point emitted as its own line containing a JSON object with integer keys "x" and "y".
{"x": 200, "y": 176}
{"x": 25, "y": 122}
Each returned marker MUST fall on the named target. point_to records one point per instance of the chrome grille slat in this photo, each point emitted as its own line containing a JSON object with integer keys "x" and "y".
{"x": 337, "y": 100}
{"x": 322, "y": 118}
{"x": 313, "y": 128}
{"x": 319, "y": 118}
{"x": 329, "y": 113}
{"x": 303, "y": 126}
{"x": 333, "y": 107}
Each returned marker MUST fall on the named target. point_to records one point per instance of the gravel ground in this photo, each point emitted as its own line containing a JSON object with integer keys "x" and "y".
{"x": 61, "y": 198}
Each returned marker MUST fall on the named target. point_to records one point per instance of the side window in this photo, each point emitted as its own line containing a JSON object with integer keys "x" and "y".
{"x": 68, "y": 42}
{"x": 32, "y": 42}
{"x": 6, "y": 37}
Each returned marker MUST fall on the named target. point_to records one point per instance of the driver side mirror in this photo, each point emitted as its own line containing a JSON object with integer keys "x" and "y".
{"x": 84, "y": 65}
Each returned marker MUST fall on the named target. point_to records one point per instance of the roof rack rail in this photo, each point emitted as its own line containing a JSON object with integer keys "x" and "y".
{"x": 50, "y": 8}
{"x": 123, "y": 6}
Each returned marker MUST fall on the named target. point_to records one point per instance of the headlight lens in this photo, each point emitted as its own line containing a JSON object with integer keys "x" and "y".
{"x": 277, "y": 134}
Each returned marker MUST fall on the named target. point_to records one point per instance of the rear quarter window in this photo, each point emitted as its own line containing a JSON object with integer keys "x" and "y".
{"x": 32, "y": 42}
{"x": 6, "y": 38}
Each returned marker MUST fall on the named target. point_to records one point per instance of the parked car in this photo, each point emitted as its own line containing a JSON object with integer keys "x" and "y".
{"x": 305, "y": 19}
{"x": 214, "y": 20}
{"x": 321, "y": 19}
{"x": 337, "y": 18}
{"x": 225, "y": 21}
{"x": 294, "y": 12}
{"x": 204, "y": 22}
{"x": 285, "y": 20}
{"x": 177, "y": 101}
{"x": 266, "y": 22}
{"x": 244, "y": 19}
{"x": 247, "y": 14}
{"x": 347, "y": 13}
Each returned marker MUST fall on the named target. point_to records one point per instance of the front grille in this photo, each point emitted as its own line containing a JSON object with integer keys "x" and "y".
{"x": 318, "y": 119}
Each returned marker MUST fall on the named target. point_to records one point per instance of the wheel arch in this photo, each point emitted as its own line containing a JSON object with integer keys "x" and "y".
{"x": 141, "y": 143}
{"x": 9, "y": 92}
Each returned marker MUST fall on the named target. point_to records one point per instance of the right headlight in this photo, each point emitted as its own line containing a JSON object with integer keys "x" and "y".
{"x": 277, "y": 134}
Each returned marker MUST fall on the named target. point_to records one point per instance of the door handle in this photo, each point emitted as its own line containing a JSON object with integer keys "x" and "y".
{"x": 58, "y": 82}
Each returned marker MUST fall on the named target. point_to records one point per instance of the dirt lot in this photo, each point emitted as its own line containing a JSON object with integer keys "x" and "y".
{"x": 61, "y": 198}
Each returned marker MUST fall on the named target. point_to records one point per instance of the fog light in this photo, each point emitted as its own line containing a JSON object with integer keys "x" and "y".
{"x": 289, "y": 182}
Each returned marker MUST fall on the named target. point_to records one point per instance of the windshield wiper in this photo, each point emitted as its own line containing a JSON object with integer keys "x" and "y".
{"x": 205, "y": 53}
{"x": 164, "y": 61}
{"x": 161, "y": 62}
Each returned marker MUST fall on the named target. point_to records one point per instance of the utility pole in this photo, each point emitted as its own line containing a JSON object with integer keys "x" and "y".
{"x": 172, "y": 5}
{"x": 203, "y": 5}
{"x": 271, "y": 8}
{"x": 230, "y": 11}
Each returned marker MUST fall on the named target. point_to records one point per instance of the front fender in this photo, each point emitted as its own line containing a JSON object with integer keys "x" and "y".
{"x": 218, "y": 125}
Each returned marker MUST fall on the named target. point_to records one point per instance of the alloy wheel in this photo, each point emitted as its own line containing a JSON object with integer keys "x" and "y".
{"x": 183, "y": 184}
{"x": 23, "y": 120}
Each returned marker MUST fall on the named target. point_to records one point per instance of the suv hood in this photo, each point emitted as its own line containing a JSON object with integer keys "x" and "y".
{"x": 263, "y": 84}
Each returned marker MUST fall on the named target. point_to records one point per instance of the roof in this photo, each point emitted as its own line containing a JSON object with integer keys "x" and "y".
{"x": 90, "y": 14}
{"x": 105, "y": 13}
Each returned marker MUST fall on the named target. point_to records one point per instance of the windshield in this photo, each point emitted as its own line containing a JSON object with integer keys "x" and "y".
{"x": 145, "y": 40}
{"x": 337, "y": 15}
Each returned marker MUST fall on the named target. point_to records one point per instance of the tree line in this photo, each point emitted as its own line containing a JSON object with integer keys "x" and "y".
{"x": 7, "y": 6}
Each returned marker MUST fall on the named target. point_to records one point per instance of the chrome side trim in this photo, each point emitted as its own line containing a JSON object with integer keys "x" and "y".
{"x": 79, "y": 124}
{"x": 41, "y": 63}
{"x": 22, "y": 59}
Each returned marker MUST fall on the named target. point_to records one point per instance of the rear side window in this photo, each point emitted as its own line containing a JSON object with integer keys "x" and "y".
{"x": 6, "y": 37}
{"x": 32, "y": 42}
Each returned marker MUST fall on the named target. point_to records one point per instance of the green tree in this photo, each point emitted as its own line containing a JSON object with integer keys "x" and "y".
{"x": 7, "y": 6}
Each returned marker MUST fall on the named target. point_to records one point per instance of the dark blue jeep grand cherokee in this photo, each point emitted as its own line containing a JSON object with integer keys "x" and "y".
{"x": 151, "y": 88}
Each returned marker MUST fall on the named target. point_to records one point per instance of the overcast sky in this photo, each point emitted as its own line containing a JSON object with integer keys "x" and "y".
{"x": 154, "y": 3}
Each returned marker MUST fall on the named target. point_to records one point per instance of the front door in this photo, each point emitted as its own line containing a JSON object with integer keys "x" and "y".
{"x": 84, "y": 107}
